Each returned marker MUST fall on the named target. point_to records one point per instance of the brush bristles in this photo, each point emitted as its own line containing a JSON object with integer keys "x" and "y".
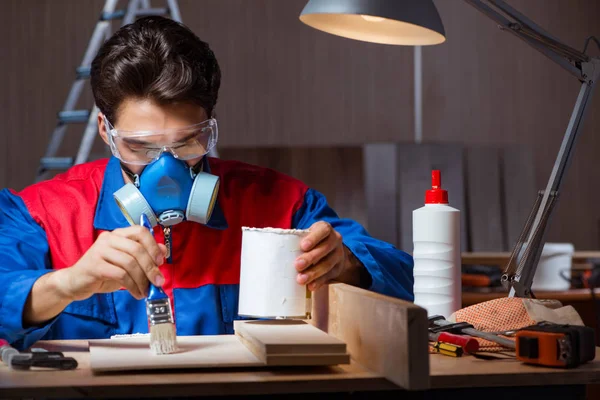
{"x": 163, "y": 339}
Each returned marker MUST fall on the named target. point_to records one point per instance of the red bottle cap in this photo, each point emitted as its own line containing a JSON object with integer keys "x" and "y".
{"x": 436, "y": 195}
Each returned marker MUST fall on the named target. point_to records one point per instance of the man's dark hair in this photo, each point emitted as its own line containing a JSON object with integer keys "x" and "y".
{"x": 158, "y": 59}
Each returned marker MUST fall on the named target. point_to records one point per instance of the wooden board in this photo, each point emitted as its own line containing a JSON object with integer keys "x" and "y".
{"x": 483, "y": 201}
{"x": 396, "y": 178}
{"x": 520, "y": 190}
{"x": 336, "y": 172}
{"x": 291, "y": 342}
{"x": 385, "y": 334}
{"x": 415, "y": 163}
{"x": 133, "y": 353}
{"x": 381, "y": 192}
{"x": 256, "y": 343}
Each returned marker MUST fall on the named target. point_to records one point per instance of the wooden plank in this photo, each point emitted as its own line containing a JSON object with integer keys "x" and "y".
{"x": 415, "y": 163}
{"x": 350, "y": 197}
{"x": 520, "y": 190}
{"x": 270, "y": 342}
{"x": 381, "y": 191}
{"x": 385, "y": 334}
{"x": 222, "y": 351}
{"x": 308, "y": 360}
{"x": 483, "y": 203}
{"x": 283, "y": 359}
{"x": 334, "y": 171}
{"x": 414, "y": 178}
{"x": 287, "y": 337}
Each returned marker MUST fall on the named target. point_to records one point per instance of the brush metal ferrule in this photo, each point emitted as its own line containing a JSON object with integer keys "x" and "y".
{"x": 159, "y": 311}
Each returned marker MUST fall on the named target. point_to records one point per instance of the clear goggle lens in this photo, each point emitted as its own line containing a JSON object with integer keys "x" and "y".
{"x": 143, "y": 147}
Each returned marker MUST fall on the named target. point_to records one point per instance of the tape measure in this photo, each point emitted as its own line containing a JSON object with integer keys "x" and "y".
{"x": 551, "y": 345}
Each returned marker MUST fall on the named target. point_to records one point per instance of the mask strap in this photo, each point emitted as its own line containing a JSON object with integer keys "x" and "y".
{"x": 134, "y": 177}
{"x": 198, "y": 167}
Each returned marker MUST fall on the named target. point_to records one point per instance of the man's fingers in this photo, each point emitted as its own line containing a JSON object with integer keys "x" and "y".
{"x": 162, "y": 248}
{"x": 114, "y": 273}
{"x": 317, "y": 270}
{"x": 143, "y": 236}
{"x": 324, "y": 279}
{"x": 315, "y": 255}
{"x": 318, "y": 231}
{"x": 129, "y": 264}
{"x": 146, "y": 262}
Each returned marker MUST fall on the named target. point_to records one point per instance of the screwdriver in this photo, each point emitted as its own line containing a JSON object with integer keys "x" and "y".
{"x": 448, "y": 349}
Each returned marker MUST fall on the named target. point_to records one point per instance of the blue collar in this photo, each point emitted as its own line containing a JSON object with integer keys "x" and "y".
{"x": 108, "y": 215}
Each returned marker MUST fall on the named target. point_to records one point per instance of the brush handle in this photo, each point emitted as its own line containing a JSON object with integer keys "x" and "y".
{"x": 145, "y": 222}
{"x": 154, "y": 293}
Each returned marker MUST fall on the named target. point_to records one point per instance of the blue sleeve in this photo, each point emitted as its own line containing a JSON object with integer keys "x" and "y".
{"x": 24, "y": 257}
{"x": 391, "y": 269}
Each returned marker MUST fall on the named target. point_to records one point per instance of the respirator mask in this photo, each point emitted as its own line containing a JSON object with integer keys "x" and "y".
{"x": 167, "y": 191}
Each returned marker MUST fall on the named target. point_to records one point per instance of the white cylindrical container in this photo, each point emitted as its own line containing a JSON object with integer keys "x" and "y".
{"x": 436, "y": 239}
{"x": 554, "y": 266}
{"x": 268, "y": 286}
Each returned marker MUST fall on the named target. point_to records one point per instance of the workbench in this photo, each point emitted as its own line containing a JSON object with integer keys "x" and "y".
{"x": 445, "y": 373}
{"x": 385, "y": 363}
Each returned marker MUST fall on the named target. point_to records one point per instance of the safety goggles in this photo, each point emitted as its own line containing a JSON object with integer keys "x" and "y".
{"x": 144, "y": 147}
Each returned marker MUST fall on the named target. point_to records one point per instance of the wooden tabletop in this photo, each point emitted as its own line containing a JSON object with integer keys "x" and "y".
{"x": 446, "y": 372}
{"x": 465, "y": 372}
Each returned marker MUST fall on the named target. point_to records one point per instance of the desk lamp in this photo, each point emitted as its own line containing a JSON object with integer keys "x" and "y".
{"x": 417, "y": 23}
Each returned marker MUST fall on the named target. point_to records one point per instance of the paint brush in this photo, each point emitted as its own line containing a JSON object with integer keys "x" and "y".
{"x": 163, "y": 338}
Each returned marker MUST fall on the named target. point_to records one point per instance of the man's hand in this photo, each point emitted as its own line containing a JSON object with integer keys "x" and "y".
{"x": 326, "y": 259}
{"x": 126, "y": 257}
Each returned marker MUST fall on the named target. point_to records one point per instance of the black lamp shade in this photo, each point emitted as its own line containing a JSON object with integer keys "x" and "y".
{"x": 398, "y": 22}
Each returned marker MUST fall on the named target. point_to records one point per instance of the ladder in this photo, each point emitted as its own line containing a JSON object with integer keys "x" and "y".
{"x": 69, "y": 115}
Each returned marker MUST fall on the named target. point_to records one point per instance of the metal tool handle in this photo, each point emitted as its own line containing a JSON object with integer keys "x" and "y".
{"x": 474, "y": 332}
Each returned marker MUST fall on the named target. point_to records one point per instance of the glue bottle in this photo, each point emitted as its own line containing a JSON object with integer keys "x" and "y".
{"x": 436, "y": 240}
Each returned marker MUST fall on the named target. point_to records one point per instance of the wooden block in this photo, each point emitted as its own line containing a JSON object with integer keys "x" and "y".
{"x": 291, "y": 342}
{"x": 295, "y": 359}
{"x": 280, "y": 360}
{"x": 386, "y": 335}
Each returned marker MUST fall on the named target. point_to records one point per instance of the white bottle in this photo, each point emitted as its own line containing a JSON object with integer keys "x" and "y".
{"x": 436, "y": 239}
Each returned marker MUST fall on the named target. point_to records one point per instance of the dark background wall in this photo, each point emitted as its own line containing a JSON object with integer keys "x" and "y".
{"x": 286, "y": 85}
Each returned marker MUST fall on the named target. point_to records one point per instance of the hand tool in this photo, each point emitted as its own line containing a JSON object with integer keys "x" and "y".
{"x": 163, "y": 338}
{"x": 554, "y": 345}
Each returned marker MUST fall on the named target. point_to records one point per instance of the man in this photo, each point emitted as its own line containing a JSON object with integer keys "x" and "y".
{"x": 75, "y": 264}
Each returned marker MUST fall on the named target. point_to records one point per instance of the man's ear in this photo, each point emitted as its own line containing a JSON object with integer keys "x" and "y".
{"x": 102, "y": 129}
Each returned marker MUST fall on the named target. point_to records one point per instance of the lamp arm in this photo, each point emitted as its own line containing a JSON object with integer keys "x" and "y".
{"x": 516, "y": 23}
{"x": 520, "y": 271}
{"x": 525, "y": 256}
